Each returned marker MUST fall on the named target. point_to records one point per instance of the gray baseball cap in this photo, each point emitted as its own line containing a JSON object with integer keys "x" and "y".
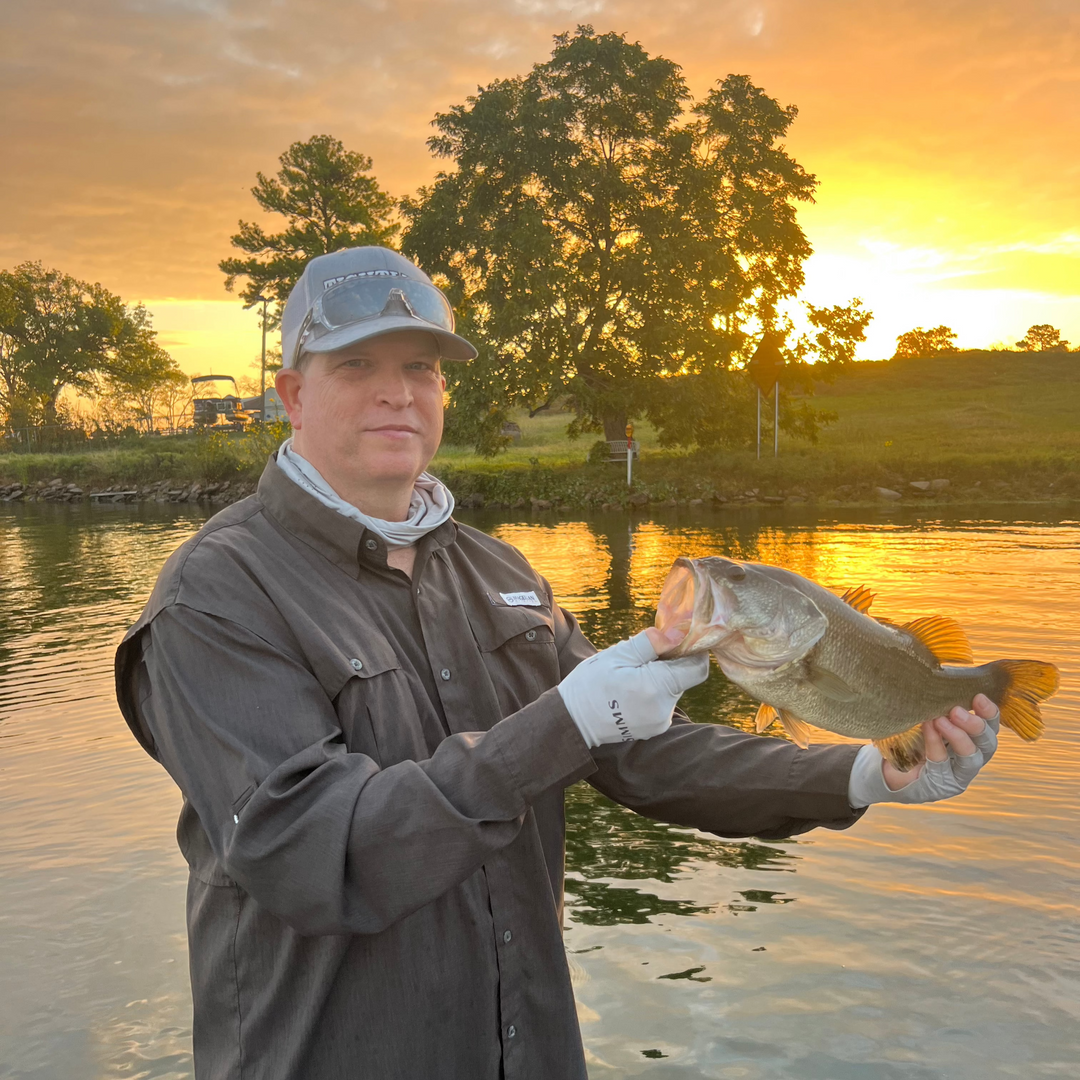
{"x": 359, "y": 293}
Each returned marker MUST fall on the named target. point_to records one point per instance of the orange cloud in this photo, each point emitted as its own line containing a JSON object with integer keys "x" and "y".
{"x": 943, "y": 134}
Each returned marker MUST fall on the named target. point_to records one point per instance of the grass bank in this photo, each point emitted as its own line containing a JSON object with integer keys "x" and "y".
{"x": 997, "y": 426}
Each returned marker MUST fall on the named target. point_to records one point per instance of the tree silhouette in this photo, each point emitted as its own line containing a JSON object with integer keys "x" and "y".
{"x": 1042, "y": 337}
{"x": 837, "y": 331}
{"x": 57, "y": 332}
{"x": 925, "y": 343}
{"x": 599, "y": 236}
{"x": 329, "y": 201}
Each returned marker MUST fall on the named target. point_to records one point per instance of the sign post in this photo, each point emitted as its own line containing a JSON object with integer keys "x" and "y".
{"x": 629, "y": 454}
{"x": 776, "y": 421}
{"x": 764, "y": 369}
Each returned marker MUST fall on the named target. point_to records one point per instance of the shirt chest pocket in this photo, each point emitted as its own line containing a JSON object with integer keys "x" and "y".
{"x": 376, "y": 701}
{"x": 517, "y": 645}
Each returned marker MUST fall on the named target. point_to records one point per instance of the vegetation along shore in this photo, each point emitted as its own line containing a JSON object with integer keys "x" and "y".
{"x": 968, "y": 427}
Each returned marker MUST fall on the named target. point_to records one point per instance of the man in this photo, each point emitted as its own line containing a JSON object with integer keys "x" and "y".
{"x": 373, "y": 711}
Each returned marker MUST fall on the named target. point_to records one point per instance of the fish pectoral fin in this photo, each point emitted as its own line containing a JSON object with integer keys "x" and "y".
{"x": 798, "y": 730}
{"x": 860, "y": 598}
{"x": 905, "y": 750}
{"x": 943, "y": 636}
{"x": 766, "y": 717}
{"x": 829, "y": 683}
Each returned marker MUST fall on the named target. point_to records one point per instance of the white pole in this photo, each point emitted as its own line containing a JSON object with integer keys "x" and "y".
{"x": 776, "y": 421}
{"x": 262, "y": 406}
{"x": 629, "y": 460}
{"x": 759, "y": 422}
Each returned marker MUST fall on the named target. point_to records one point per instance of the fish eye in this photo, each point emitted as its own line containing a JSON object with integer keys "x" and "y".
{"x": 734, "y": 572}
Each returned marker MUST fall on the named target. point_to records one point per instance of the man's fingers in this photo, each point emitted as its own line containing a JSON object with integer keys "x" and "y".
{"x": 935, "y": 745}
{"x": 953, "y": 733}
{"x": 984, "y": 707}
{"x": 685, "y": 672}
{"x": 968, "y": 722}
{"x": 663, "y": 641}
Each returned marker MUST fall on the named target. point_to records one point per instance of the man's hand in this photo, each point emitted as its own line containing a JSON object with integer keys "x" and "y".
{"x": 957, "y": 747}
{"x": 625, "y": 693}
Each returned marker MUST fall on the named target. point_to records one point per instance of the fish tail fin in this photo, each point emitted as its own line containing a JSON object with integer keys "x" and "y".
{"x": 905, "y": 750}
{"x": 1029, "y": 682}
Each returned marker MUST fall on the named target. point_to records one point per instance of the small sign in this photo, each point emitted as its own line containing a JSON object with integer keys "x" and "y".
{"x": 766, "y": 364}
{"x": 521, "y": 599}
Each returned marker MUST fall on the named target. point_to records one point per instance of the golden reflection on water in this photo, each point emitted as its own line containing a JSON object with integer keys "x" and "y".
{"x": 1015, "y": 588}
{"x": 576, "y": 560}
{"x": 959, "y": 917}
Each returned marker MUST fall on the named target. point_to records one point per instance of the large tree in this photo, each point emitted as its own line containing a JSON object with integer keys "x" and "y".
{"x": 602, "y": 235}
{"x": 57, "y": 332}
{"x": 1042, "y": 337}
{"x": 329, "y": 201}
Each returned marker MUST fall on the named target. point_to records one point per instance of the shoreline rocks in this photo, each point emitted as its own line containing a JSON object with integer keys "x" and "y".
{"x": 161, "y": 491}
{"x": 565, "y": 495}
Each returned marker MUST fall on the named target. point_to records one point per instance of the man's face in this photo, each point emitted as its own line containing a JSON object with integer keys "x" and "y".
{"x": 372, "y": 410}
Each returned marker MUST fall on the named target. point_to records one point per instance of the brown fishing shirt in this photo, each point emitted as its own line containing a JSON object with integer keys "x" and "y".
{"x": 373, "y": 773}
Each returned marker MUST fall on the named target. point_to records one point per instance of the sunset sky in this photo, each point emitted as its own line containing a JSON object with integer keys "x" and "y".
{"x": 946, "y": 136}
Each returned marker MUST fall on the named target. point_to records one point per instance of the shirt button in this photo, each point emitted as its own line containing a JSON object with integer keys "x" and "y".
{"x": 507, "y": 936}
{"x": 357, "y": 665}
{"x": 371, "y": 545}
{"x": 530, "y": 635}
{"x": 445, "y": 673}
{"x": 511, "y": 1031}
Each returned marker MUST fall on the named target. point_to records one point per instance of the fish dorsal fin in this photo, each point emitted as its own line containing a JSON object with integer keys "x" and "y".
{"x": 943, "y": 637}
{"x": 905, "y": 750}
{"x": 799, "y": 730}
{"x": 766, "y": 716}
{"x": 829, "y": 683}
{"x": 860, "y": 598}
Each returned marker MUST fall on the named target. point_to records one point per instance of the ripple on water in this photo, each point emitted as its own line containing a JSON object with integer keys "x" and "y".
{"x": 925, "y": 942}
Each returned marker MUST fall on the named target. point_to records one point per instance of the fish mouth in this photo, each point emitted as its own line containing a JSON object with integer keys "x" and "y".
{"x": 704, "y": 599}
{"x": 698, "y": 605}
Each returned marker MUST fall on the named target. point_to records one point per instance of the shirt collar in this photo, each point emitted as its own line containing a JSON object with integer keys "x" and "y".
{"x": 337, "y": 538}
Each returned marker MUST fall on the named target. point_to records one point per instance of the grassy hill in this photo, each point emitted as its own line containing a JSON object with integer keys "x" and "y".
{"x": 997, "y": 425}
{"x": 1020, "y": 402}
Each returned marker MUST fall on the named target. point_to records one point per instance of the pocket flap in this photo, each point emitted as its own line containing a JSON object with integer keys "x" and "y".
{"x": 495, "y": 625}
{"x": 359, "y": 657}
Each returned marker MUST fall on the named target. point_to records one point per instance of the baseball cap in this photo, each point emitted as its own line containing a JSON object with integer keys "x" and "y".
{"x": 359, "y": 293}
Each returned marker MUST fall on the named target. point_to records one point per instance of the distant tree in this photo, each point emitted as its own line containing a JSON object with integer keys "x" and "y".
{"x": 148, "y": 397}
{"x": 604, "y": 242}
{"x": 1042, "y": 337}
{"x": 58, "y": 332}
{"x": 837, "y": 332}
{"x": 172, "y": 402}
{"x": 925, "y": 343}
{"x": 329, "y": 201}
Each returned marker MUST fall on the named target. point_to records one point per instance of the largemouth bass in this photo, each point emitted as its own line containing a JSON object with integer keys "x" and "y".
{"x": 815, "y": 659}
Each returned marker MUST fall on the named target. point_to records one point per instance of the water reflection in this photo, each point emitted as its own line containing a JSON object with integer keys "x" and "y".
{"x": 922, "y": 943}
{"x": 606, "y": 841}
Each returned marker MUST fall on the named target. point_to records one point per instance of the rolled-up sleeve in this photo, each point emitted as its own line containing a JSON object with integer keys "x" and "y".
{"x": 324, "y": 838}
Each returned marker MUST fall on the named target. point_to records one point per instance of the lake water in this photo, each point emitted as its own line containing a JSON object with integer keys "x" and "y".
{"x": 936, "y": 942}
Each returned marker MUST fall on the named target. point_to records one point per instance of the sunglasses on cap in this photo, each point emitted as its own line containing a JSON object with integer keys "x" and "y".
{"x": 361, "y": 299}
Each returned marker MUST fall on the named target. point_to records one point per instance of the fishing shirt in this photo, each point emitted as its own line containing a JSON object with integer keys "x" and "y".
{"x": 373, "y": 771}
